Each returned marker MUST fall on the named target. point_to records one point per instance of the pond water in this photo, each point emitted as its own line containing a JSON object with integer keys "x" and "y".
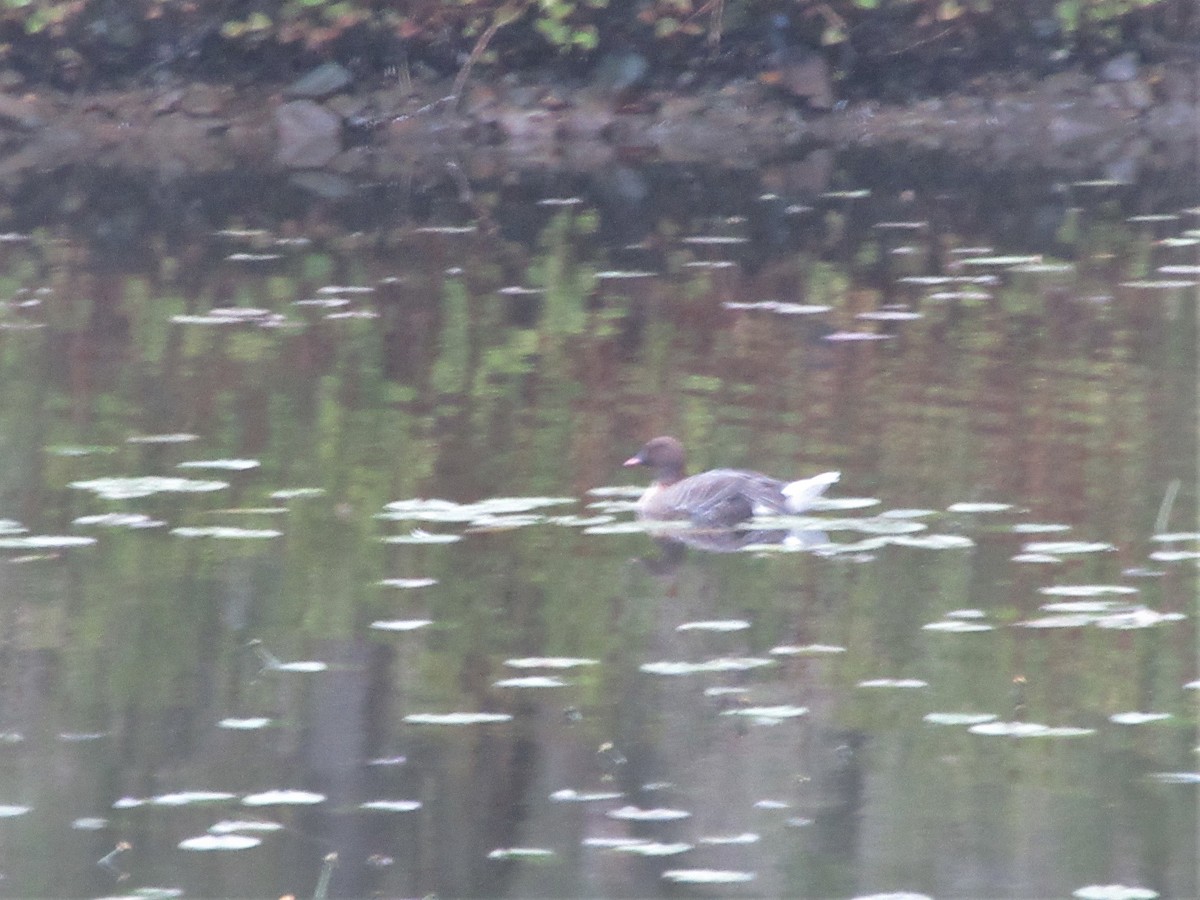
{"x": 246, "y": 653}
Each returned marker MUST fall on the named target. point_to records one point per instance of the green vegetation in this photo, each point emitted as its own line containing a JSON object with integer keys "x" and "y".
{"x": 81, "y": 41}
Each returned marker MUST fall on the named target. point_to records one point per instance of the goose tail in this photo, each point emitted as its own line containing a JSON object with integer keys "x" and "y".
{"x": 801, "y": 494}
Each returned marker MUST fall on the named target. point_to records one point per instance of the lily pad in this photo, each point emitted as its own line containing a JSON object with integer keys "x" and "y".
{"x": 400, "y": 624}
{"x": 656, "y": 814}
{"x": 456, "y": 718}
{"x": 232, "y": 465}
{"x": 533, "y": 681}
{"x": 550, "y": 662}
{"x": 1113, "y": 892}
{"x": 206, "y": 842}
{"x": 284, "y": 797}
{"x": 45, "y": 542}
{"x": 721, "y": 664}
{"x": 707, "y": 876}
{"x": 570, "y": 795}
{"x": 1060, "y": 548}
{"x": 407, "y": 583}
{"x": 391, "y": 805}
{"x": 714, "y": 625}
{"x": 226, "y": 532}
{"x": 115, "y": 488}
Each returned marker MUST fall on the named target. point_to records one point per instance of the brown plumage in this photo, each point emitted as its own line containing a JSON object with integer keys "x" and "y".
{"x": 719, "y": 498}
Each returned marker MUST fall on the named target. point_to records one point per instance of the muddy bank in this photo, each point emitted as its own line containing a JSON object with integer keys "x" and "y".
{"x": 1069, "y": 123}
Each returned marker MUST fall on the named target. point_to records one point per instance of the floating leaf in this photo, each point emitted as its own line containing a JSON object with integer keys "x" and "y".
{"x": 297, "y": 493}
{"x": 1036, "y": 558}
{"x": 533, "y": 681}
{"x": 722, "y": 664}
{"x": 206, "y": 842}
{"x": 957, "y": 626}
{"x": 1163, "y": 284}
{"x": 654, "y": 848}
{"x": 768, "y": 712}
{"x": 1038, "y": 528}
{"x": 226, "y": 532}
{"x": 1001, "y": 260}
{"x": 1067, "y": 547}
{"x": 247, "y": 724}
{"x": 707, "y": 876}
{"x": 657, "y": 814}
{"x": 417, "y": 536}
{"x": 1077, "y": 620}
{"x": 520, "y": 853}
{"x": 1113, "y": 892}
{"x": 570, "y": 795}
{"x": 145, "y": 486}
{"x": 550, "y": 662}
{"x": 842, "y": 337}
{"x": 1027, "y": 729}
{"x": 391, "y": 805}
{"x": 230, "y": 826}
{"x": 907, "y": 513}
{"x": 978, "y": 507}
{"x": 1138, "y": 718}
{"x": 178, "y": 437}
{"x": 45, "y": 542}
{"x": 746, "y": 837}
{"x": 191, "y": 798}
{"x": 935, "y": 718}
{"x": 1173, "y": 536}
{"x": 456, "y": 718}
{"x": 714, "y": 240}
{"x": 120, "y": 520}
{"x": 89, "y": 823}
{"x": 612, "y": 843}
{"x": 714, "y": 625}
{"x": 301, "y": 665}
{"x": 72, "y": 450}
{"x": 1094, "y": 607}
{"x": 806, "y": 649}
{"x": 1177, "y": 777}
{"x": 1174, "y": 555}
{"x": 288, "y": 797}
{"x": 1139, "y": 617}
{"x": 1086, "y": 590}
{"x": 933, "y": 541}
{"x": 232, "y": 465}
{"x": 400, "y": 624}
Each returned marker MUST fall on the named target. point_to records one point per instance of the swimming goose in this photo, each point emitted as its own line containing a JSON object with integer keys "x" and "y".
{"x": 718, "y": 498}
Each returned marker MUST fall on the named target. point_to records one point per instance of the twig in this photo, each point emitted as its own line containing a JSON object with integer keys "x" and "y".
{"x": 504, "y": 15}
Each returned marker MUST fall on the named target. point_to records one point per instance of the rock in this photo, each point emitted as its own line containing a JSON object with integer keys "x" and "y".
{"x": 309, "y": 135}
{"x": 19, "y": 112}
{"x": 1120, "y": 68}
{"x": 321, "y": 82}
{"x": 803, "y": 75}
{"x": 1137, "y": 94}
{"x": 325, "y": 185}
{"x": 202, "y": 100}
{"x": 619, "y": 71}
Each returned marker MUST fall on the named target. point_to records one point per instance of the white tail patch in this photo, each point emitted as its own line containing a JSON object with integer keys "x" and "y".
{"x": 801, "y": 494}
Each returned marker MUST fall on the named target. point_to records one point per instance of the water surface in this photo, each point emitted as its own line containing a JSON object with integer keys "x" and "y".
{"x": 239, "y": 636}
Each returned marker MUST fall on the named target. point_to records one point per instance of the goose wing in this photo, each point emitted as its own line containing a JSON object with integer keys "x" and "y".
{"x": 723, "y": 497}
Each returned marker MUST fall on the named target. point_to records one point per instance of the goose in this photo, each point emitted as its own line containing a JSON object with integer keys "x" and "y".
{"x": 718, "y": 498}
